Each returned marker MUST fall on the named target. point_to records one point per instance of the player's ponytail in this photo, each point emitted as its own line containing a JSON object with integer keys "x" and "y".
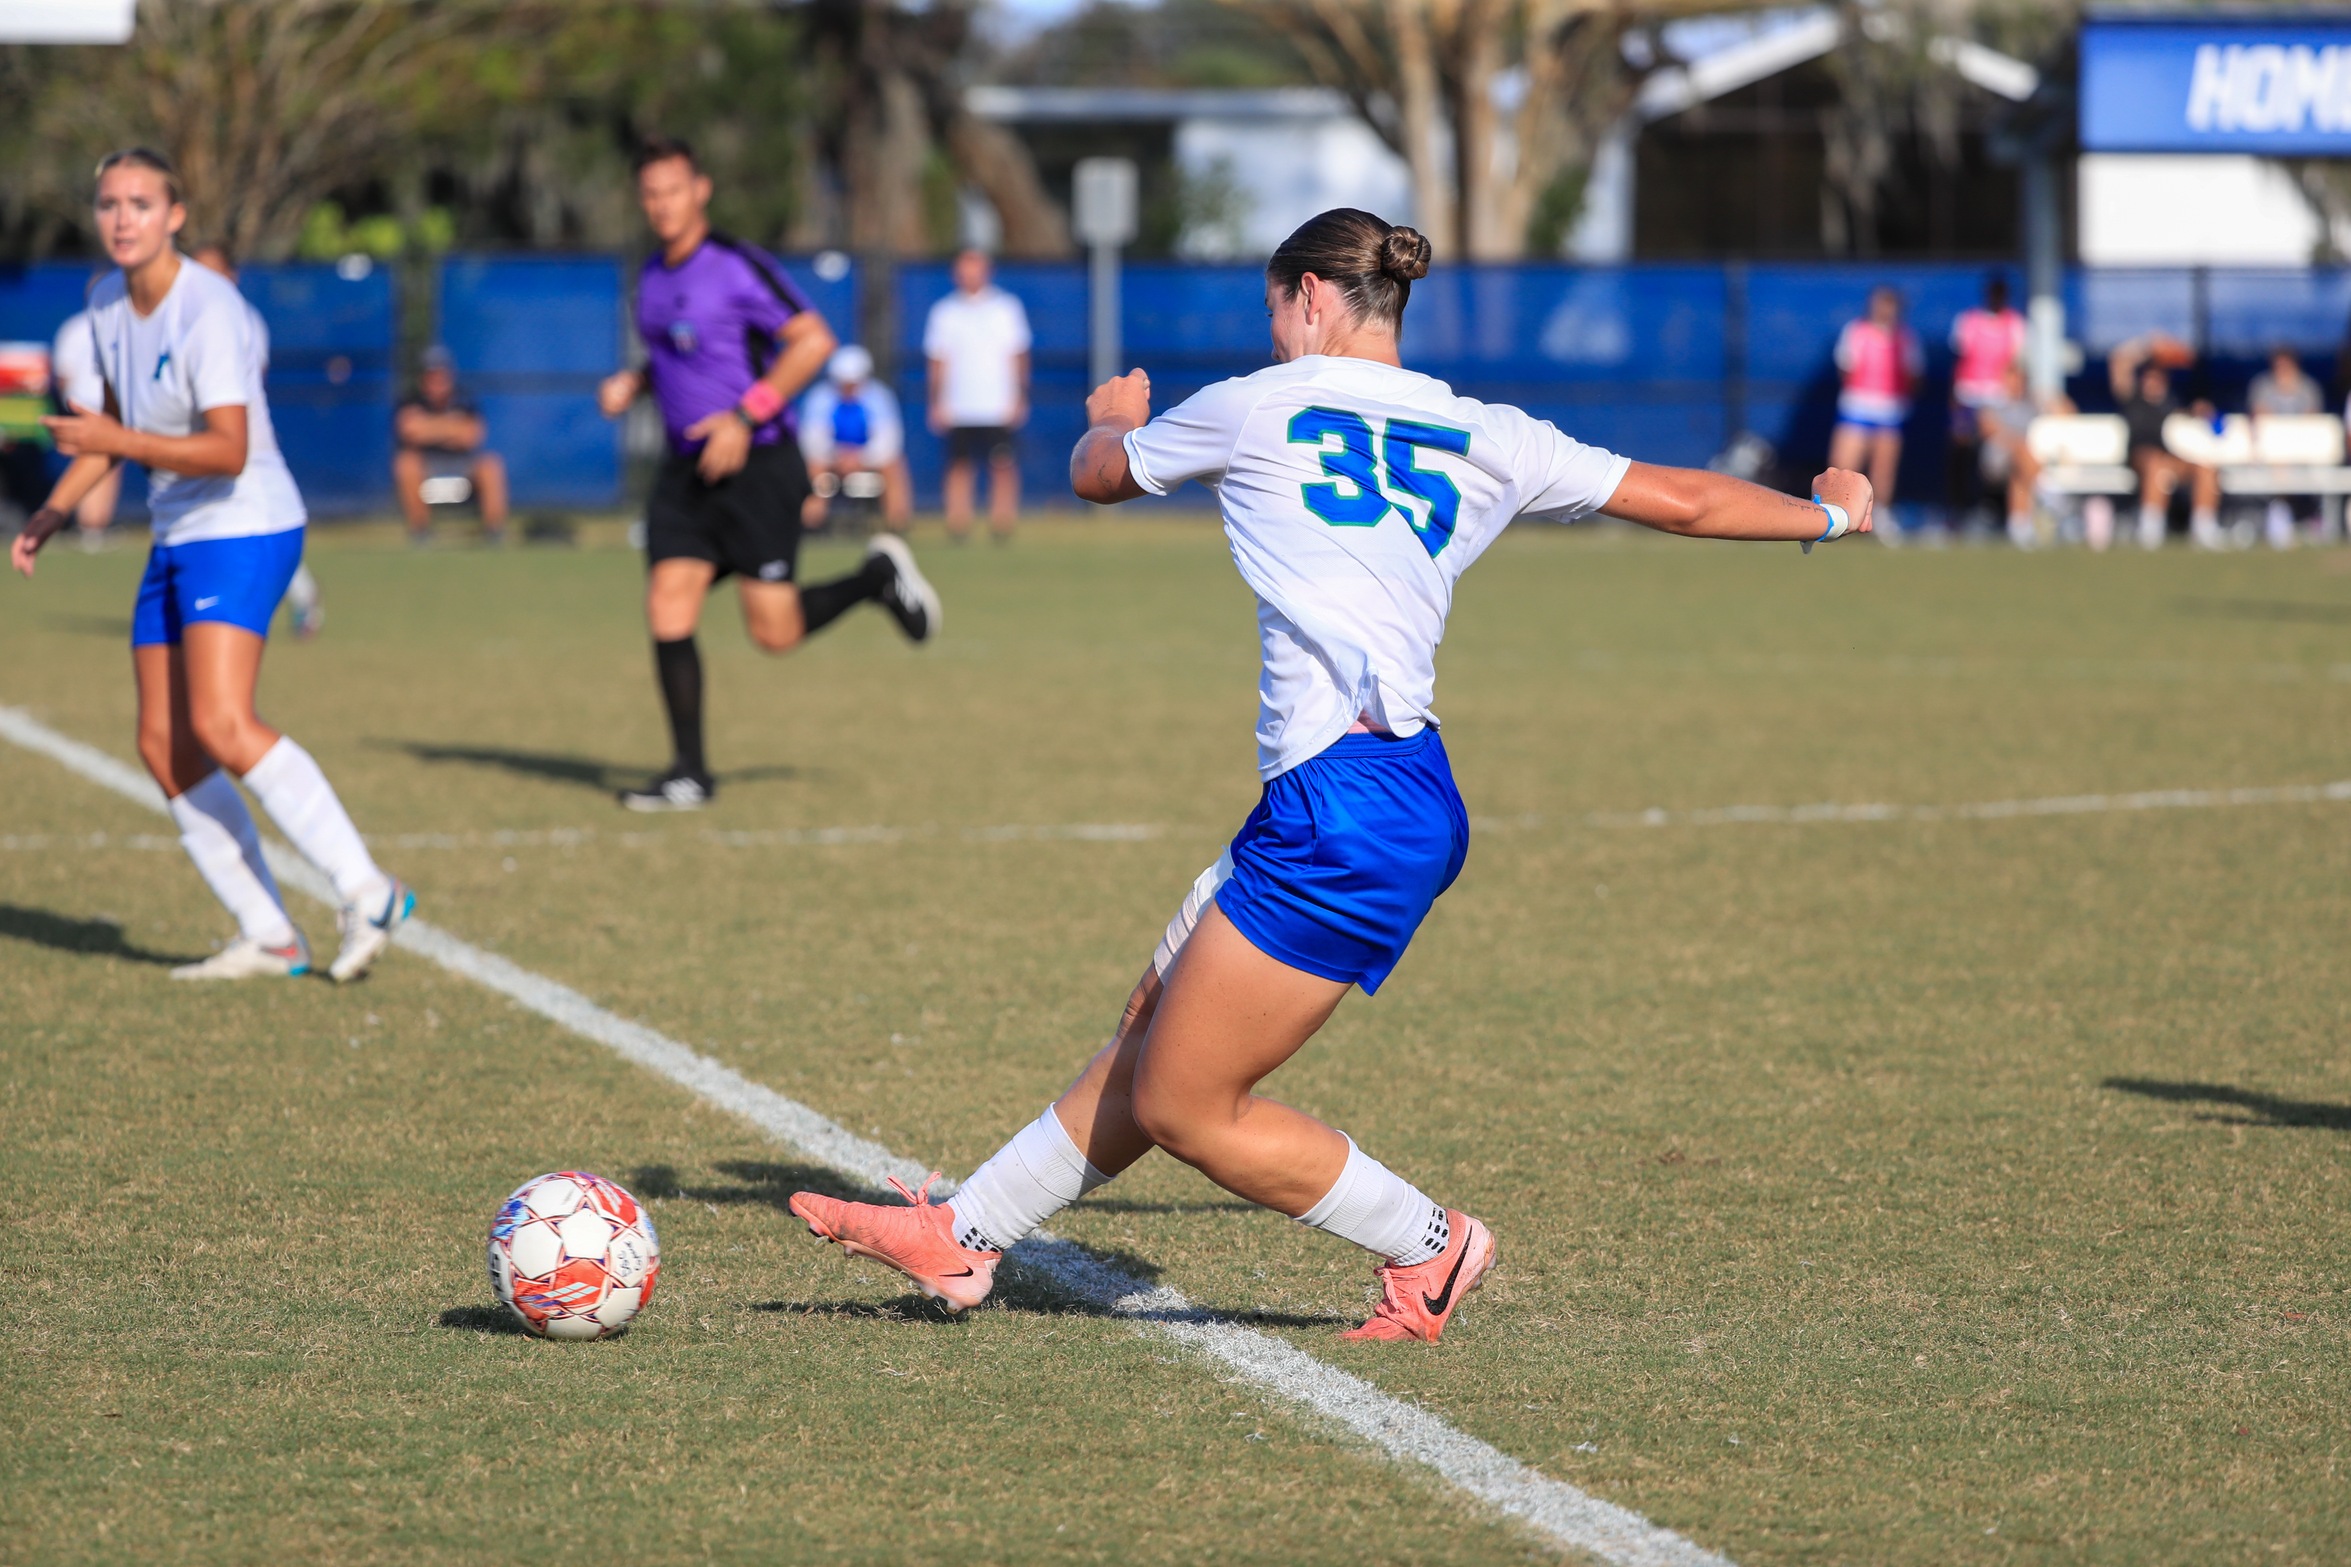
{"x": 1373, "y": 263}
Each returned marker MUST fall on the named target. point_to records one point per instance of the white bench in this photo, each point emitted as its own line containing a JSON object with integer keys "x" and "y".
{"x": 2083, "y": 454}
{"x": 2300, "y": 454}
{"x": 2276, "y": 454}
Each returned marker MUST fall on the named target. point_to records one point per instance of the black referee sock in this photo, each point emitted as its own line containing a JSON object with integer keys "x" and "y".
{"x": 822, "y": 603}
{"x": 679, "y": 665}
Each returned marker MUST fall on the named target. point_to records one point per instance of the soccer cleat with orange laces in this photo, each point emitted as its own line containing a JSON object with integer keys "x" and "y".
{"x": 1416, "y": 1302}
{"x": 918, "y": 1240}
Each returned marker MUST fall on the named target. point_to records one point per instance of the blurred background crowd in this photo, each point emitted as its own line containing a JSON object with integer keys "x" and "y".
{"x": 1960, "y": 243}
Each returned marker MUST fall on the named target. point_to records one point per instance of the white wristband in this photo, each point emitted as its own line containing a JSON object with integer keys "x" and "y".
{"x": 1839, "y": 524}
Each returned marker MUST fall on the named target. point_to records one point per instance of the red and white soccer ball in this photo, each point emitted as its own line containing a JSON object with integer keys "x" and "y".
{"x": 573, "y": 1256}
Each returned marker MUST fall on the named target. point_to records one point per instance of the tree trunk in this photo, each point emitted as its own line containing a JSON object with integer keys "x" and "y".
{"x": 1476, "y": 127}
{"x": 1419, "y": 110}
{"x": 998, "y": 162}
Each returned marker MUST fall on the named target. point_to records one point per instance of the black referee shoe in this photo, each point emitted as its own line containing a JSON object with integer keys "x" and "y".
{"x": 910, "y": 598}
{"x": 672, "y": 791}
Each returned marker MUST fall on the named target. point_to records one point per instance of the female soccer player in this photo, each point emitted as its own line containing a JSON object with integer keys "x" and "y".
{"x": 1354, "y": 494}
{"x": 183, "y": 396}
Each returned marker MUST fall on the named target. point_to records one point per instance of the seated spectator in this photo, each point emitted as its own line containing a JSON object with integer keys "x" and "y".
{"x": 2140, "y": 372}
{"x": 441, "y": 436}
{"x": 2002, "y": 425}
{"x": 2284, "y": 392}
{"x": 850, "y": 424}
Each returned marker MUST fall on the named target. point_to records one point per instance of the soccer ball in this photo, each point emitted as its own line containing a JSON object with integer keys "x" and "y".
{"x": 573, "y": 1256}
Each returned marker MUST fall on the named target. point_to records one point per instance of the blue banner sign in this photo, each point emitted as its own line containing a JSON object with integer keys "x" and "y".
{"x": 2279, "y": 87}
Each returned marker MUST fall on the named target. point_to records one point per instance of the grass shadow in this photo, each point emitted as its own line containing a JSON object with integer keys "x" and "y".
{"x": 905, "y": 1308}
{"x": 2264, "y": 1109}
{"x": 481, "y": 1319}
{"x": 1035, "y": 1281}
{"x": 93, "y": 938}
{"x": 585, "y": 772}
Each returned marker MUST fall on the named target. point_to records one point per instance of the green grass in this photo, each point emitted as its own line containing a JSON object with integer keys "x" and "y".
{"x": 1899, "y": 1192}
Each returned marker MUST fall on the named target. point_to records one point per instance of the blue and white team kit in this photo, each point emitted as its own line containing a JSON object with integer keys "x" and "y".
{"x": 1354, "y": 495}
{"x": 225, "y": 547}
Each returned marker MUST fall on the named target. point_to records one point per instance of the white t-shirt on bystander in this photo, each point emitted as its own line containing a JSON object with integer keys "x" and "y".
{"x": 977, "y": 339}
{"x": 196, "y": 352}
{"x": 1354, "y": 496}
{"x": 73, "y": 365}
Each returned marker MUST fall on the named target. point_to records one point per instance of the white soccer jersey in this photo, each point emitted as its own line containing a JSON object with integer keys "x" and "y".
{"x": 1355, "y": 494}
{"x": 196, "y": 352}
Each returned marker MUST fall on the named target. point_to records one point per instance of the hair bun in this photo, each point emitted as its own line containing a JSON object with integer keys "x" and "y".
{"x": 1404, "y": 254}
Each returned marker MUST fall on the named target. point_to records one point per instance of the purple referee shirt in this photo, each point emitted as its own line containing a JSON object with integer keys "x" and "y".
{"x": 709, "y": 325}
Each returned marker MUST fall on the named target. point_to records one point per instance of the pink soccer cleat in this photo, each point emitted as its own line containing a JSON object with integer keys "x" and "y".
{"x": 1417, "y": 1302}
{"x": 918, "y": 1240}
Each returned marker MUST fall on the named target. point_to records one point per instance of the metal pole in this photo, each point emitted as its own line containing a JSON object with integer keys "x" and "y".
{"x": 1103, "y": 298}
{"x": 2044, "y": 246}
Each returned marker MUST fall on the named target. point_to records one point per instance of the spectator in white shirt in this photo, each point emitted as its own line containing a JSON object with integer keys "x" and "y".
{"x": 850, "y": 425}
{"x": 73, "y": 361}
{"x": 977, "y": 343}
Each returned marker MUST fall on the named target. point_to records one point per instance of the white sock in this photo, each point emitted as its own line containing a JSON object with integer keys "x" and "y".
{"x": 300, "y": 800}
{"x": 2151, "y": 527}
{"x": 1030, "y": 1179}
{"x": 302, "y": 592}
{"x": 1381, "y": 1212}
{"x": 219, "y": 835}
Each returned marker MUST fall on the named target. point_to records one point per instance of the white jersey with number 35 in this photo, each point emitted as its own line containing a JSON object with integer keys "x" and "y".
{"x": 1355, "y": 494}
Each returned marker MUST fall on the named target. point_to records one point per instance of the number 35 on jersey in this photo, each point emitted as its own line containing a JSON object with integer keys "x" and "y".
{"x": 1354, "y": 495}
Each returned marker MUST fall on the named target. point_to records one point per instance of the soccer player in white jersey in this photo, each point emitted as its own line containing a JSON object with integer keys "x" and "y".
{"x": 1354, "y": 494}
{"x": 303, "y": 599}
{"x": 184, "y": 397}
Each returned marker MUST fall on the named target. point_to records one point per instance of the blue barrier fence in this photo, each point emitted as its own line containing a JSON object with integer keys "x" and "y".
{"x": 1666, "y": 362}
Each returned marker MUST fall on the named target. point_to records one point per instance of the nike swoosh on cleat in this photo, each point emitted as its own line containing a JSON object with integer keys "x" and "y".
{"x": 965, "y": 1274}
{"x": 1436, "y": 1308}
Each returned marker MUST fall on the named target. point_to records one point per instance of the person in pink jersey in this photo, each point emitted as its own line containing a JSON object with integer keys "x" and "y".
{"x": 1880, "y": 360}
{"x": 1985, "y": 342}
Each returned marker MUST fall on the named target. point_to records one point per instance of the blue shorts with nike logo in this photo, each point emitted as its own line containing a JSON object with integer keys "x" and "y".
{"x": 1339, "y": 863}
{"x": 235, "y": 580}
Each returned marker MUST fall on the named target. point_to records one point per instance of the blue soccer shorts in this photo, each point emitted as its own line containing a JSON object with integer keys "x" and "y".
{"x": 239, "y": 581}
{"x": 1344, "y": 855}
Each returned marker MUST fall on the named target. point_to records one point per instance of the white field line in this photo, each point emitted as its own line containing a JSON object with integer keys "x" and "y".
{"x": 581, "y": 837}
{"x": 1982, "y": 811}
{"x": 1568, "y": 1516}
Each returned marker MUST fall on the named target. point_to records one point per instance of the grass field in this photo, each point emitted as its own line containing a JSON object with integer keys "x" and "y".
{"x": 1902, "y": 1191}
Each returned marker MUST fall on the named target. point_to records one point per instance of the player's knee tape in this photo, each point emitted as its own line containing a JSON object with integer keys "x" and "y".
{"x": 1187, "y": 918}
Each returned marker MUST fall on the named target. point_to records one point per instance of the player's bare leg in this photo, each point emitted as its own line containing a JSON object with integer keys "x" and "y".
{"x": 956, "y": 496}
{"x": 1181, "y": 1074}
{"x": 1003, "y": 496}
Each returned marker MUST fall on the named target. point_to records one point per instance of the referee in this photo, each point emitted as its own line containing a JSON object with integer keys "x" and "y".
{"x": 729, "y": 342}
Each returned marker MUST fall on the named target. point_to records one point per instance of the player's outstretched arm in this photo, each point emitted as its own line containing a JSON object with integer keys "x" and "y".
{"x": 79, "y": 479}
{"x": 1098, "y": 468}
{"x": 1702, "y": 505}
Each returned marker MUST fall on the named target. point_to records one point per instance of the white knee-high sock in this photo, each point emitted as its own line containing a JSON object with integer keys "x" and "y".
{"x": 1381, "y": 1212}
{"x": 1030, "y": 1179}
{"x": 300, "y": 800}
{"x": 219, "y": 835}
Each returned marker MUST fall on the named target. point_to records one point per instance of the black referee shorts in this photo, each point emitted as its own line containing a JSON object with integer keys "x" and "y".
{"x": 748, "y": 522}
